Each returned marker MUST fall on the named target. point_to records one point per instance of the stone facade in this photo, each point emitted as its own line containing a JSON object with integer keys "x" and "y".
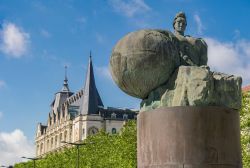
{"x": 75, "y": 116}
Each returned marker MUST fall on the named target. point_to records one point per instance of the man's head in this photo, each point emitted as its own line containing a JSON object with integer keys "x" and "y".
{"x": 180, "y": 23}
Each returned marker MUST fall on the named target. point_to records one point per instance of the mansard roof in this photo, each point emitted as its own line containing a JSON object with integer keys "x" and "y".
{"x": 61, "y": 96}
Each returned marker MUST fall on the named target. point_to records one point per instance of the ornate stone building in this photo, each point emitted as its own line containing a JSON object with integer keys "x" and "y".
{"x": 74, "y": 116}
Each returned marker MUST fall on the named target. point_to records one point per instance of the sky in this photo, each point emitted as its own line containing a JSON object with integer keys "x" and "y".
{"x": 38, "y": 38}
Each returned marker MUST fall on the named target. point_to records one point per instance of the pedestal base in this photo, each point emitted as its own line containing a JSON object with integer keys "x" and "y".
{"x": 189, "y": 137}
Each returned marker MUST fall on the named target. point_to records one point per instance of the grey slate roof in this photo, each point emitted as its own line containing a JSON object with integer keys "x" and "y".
{"x": 61, "y": 96}
{"x": 90, "y": 100}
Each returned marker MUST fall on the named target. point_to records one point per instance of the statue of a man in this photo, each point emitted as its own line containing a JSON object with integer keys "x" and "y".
{"x": 193, "y": 51}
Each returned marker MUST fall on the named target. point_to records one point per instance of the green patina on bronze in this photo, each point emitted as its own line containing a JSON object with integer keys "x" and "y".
{"x": 166, "y": 69}
{"x": 196, "y": 86}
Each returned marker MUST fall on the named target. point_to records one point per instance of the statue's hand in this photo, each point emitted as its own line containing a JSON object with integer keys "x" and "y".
{"x": 188, "y": 60}
{"x": 205, "y": 66}
{"x": 185, "y": 57}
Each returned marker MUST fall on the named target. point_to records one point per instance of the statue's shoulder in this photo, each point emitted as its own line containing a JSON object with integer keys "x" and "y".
{"x": 198, "y": 41}
{"x": 195, "y": 39}
{"x": 191, "y": 39}
{"x": 201, "y": 41}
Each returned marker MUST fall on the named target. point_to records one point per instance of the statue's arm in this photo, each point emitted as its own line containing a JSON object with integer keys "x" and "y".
{"x": 203, "y": 51}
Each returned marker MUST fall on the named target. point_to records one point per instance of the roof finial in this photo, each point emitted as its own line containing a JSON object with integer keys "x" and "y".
{"x": 65, "y": 83}
{"x": 65, "y": 72}
{"x": 90, "y": 54}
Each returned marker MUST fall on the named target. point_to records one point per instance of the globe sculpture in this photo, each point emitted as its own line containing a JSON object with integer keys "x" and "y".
{"x": 143, "y": 60}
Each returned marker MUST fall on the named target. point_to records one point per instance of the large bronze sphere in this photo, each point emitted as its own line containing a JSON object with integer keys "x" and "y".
{"x": 143, "y": 60}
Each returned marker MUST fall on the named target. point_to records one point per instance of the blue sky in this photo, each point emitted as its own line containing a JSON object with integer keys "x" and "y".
{"x": 38, "y": 38}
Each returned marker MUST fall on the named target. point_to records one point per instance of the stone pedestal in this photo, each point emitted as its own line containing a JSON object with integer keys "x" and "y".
{"x": 189, "y": 137}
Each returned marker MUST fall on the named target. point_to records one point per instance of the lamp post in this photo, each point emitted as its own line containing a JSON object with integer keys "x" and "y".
{"x": 77, "y": 147}
{"x": 7, "y": 166}
{"x": 33, "y": 159}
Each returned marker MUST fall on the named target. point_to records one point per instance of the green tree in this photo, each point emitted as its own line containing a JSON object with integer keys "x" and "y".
{"x": 102, "y": 150}
{"x": 245, "y": 129}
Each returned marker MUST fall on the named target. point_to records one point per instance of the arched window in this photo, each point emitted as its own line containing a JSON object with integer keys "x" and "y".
{"x": 60, "y": 137}
{"x": 70, "y": 134}
{"x": 56, "y": 141}
{"x": 125, "y": 116}
{"x": 113, "y": 130}
{"x": 37, "y": 149}
{"x": 47, "y": 145}
{"x": 51, "y": 143}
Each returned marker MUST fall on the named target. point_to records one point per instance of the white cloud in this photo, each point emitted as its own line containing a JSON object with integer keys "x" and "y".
{"x": 230, "y": 57}
{"x": 13, "y": 146}
{"x": 130, "y": 8}
{"x": 45, "y": 33}
{"x": 103, "y": 71}
{"x": 2, "y": 84}
{"x": 200, "y": 26}
{"x": 14, "y": 41}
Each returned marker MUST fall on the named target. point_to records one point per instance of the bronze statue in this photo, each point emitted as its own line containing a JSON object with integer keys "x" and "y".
{"x": 193, "y": 51}
{"x": 188, "y": 114}
{"x": 167, "y": 69}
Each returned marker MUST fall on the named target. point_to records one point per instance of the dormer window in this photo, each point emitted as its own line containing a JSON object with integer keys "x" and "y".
{"x": 125, "y": 116}
{"x": 113, "y": 115}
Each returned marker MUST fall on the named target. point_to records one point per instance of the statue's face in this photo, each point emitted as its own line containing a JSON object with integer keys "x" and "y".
{"x": 180, "y": 25}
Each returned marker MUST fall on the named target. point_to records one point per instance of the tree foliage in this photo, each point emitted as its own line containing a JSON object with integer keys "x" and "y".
{"x": 245, "y": 129}
{"x": 102, "y": 150}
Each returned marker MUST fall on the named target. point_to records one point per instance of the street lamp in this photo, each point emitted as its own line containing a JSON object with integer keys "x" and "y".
{"x": 33, "y": 159}
{"x": 77, "y": 147}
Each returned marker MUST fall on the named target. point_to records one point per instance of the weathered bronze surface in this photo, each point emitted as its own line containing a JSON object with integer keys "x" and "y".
{"x": 166, "y": 69}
